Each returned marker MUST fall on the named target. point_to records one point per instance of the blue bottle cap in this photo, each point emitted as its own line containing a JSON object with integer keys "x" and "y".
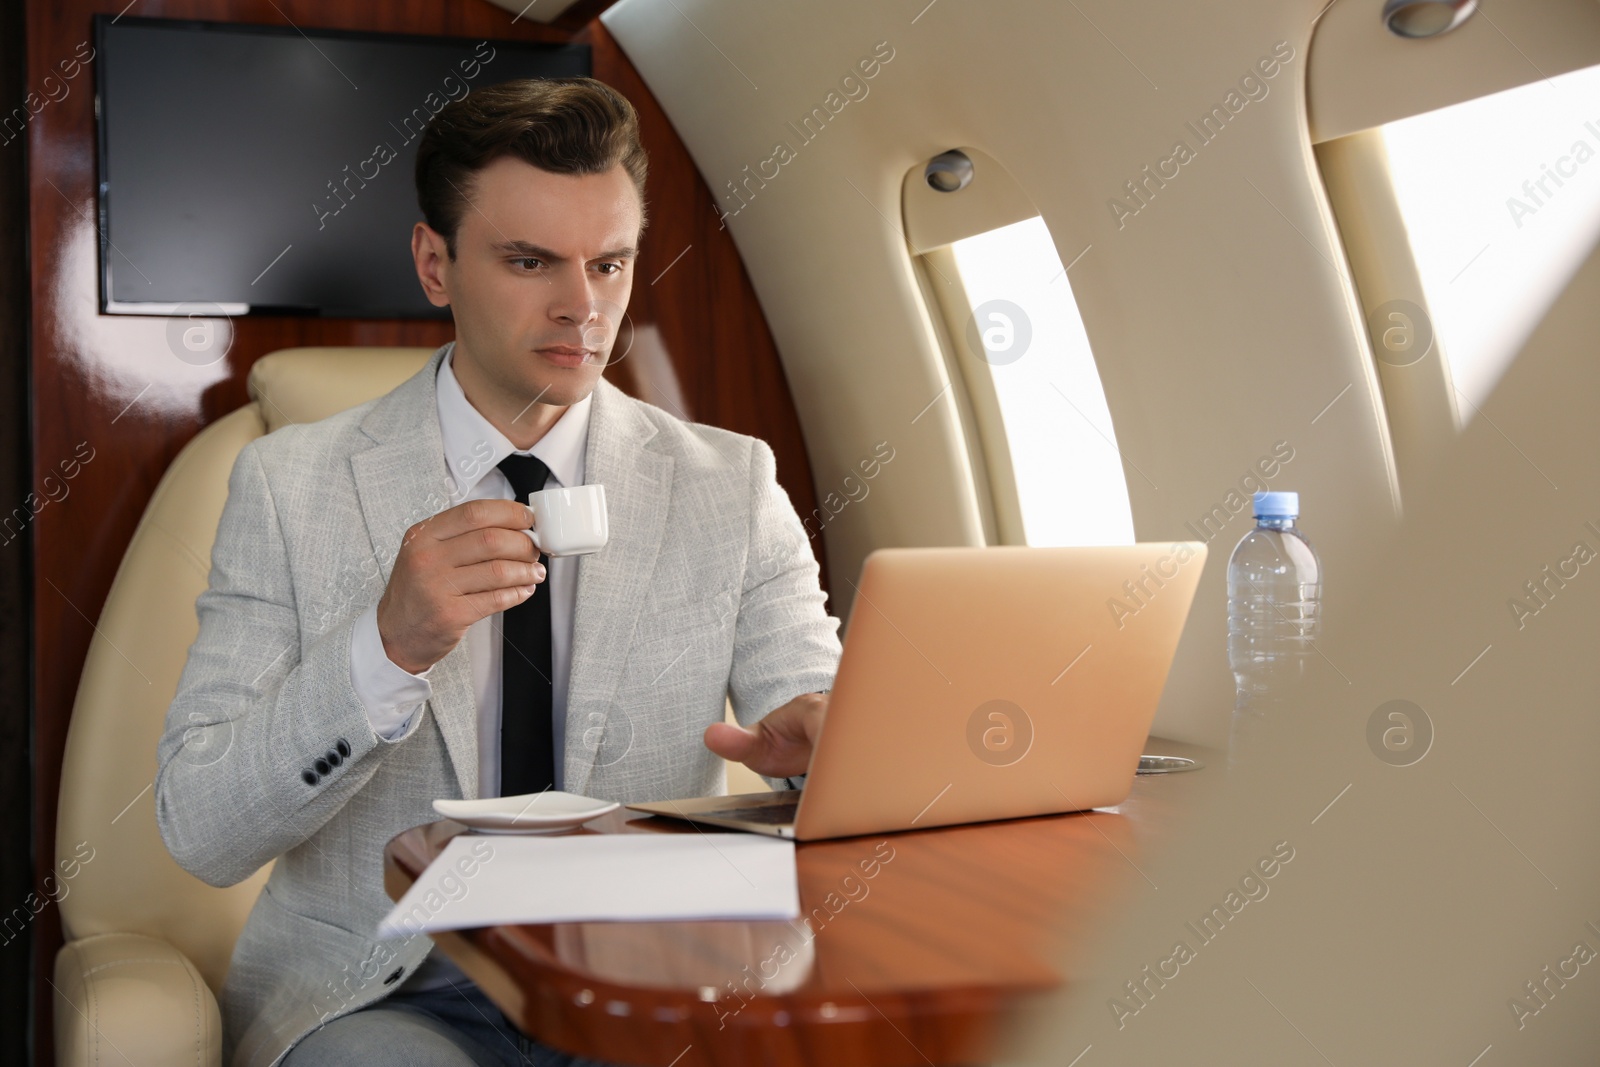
{"x": 1277, "y": 505}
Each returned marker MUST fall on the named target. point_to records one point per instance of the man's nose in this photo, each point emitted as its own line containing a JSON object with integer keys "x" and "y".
{"x": 574, "y": 298}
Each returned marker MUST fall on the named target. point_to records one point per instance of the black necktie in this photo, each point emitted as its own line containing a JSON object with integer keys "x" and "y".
{"x": 527, "y": 741}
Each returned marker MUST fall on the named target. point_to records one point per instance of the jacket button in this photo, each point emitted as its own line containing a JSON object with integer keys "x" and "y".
{"x": 395, "y": 977}
{"x": 333, "y": 758}
{"x": 322, "y": 766}
{"x": 311, "y": 777}
{"x": 344, "y": 747}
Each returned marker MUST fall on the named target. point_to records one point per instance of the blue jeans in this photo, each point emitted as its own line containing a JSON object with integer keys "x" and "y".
{"x": 456, "y": 1026}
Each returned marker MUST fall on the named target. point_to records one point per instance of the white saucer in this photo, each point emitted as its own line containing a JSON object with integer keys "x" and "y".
{"x": 549, "y": 812}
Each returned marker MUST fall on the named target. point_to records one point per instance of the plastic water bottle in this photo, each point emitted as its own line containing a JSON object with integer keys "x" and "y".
{"x": 1274, "y": 592}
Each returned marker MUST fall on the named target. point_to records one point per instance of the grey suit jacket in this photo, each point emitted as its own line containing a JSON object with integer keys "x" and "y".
{"x": 707, "y": 590}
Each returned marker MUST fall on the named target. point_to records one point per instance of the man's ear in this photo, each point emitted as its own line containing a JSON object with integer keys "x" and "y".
{"x": 431, "y": 255}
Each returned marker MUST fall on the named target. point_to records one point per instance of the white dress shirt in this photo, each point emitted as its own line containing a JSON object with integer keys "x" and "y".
{"x": 473, "y": 448}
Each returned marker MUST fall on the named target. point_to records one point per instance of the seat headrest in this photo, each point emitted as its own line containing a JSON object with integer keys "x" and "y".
{"x": 295, "y": 385}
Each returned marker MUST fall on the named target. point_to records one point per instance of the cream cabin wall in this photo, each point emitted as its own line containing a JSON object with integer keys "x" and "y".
{"x": 1222, "y": 313}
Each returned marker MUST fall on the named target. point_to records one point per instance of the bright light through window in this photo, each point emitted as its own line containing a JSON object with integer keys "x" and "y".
{"x": 1069, "y": 477}
{"x": 1501, "y": 199}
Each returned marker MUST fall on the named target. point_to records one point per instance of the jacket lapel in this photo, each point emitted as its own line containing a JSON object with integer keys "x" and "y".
{"x": 612, "y": 581}
{"x": 401, "y": 480}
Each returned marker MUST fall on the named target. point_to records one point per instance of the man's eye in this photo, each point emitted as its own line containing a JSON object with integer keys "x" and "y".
{"x": 524, "y": 261}
{"x": 616, "y": 268}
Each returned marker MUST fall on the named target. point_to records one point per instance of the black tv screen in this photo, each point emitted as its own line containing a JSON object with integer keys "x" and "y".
{"x": 269, "y": 170}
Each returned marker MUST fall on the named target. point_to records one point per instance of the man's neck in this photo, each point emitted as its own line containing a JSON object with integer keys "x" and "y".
{"x": 523, "y": 422}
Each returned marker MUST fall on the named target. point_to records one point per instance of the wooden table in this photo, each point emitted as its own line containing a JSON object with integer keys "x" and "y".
{"x": 910, "y": 948}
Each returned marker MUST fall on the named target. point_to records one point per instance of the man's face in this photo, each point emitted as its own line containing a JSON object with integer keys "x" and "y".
{"x": 542, "y": 275}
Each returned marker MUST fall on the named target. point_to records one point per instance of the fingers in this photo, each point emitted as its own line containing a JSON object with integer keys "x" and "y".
{"x": 760, "y": 749}
{"x": 476, "y": 515}
{"x": 493, "y": 574}
{"x": 731, "y": 742}
{"x": 452, "y": 609}
{"x": 486, "y": 543}
{"x": 797, "y": 723}
{"x": 780, "y": 744}
{"x": 484, "y": 604}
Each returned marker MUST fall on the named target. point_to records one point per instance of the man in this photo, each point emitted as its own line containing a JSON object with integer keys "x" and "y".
{"x": 380, "y": 630}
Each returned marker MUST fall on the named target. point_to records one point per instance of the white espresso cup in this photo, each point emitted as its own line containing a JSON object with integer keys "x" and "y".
{"x": 569, "y": 522}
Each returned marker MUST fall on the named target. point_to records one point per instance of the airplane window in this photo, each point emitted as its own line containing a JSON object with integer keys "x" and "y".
{"x": 1025, "y": 328}
{"x": 1501, "y": 200}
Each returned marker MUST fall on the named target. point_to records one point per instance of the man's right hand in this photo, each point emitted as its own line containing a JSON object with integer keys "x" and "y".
{"x": 461, "y": 565}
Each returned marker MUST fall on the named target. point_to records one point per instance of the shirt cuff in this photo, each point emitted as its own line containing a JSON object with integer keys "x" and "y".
{"x": 391, "y": 694}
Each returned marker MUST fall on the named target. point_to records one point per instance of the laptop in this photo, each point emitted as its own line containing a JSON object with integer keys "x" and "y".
{"x": 979, "y": 684}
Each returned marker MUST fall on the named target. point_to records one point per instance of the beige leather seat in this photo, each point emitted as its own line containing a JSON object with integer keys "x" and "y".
{"x": 148, "y": 943}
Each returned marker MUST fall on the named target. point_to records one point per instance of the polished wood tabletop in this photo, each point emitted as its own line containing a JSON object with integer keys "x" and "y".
{"x": 909, "y": 950}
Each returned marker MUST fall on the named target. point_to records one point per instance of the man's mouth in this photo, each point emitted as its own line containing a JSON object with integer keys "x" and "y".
{"x": 567, "y": 355}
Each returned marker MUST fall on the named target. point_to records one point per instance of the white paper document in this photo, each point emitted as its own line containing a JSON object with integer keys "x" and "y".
{"x": 484, "y": 880}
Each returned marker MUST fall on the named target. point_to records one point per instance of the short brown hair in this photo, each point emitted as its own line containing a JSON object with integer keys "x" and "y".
{"x": 564, "y": 125}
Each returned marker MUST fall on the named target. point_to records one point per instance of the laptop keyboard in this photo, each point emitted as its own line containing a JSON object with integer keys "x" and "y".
{"x": 766, "y": 814}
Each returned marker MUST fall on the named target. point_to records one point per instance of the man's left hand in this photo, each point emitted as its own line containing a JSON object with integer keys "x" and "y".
{"x": 780, "y": 744}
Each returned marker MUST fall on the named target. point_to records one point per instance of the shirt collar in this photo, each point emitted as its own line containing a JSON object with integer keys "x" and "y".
{"x": 473, "y": 446}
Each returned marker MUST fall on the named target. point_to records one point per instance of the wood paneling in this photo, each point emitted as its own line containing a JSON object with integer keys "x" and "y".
{"x": 111, "y": 384}
{"x": 16, "y": 570}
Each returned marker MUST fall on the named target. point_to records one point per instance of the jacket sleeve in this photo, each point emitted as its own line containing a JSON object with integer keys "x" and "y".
{"x": 785, "y": 642}
{"x": 266, "y": 738}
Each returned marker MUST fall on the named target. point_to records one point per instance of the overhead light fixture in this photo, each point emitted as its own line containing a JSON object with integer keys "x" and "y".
{"x": 1426, "y": 18}
{"x": 949, "y": 171}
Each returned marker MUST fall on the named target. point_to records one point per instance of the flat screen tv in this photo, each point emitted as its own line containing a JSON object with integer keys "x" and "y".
{"x": 268, "y": 169}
